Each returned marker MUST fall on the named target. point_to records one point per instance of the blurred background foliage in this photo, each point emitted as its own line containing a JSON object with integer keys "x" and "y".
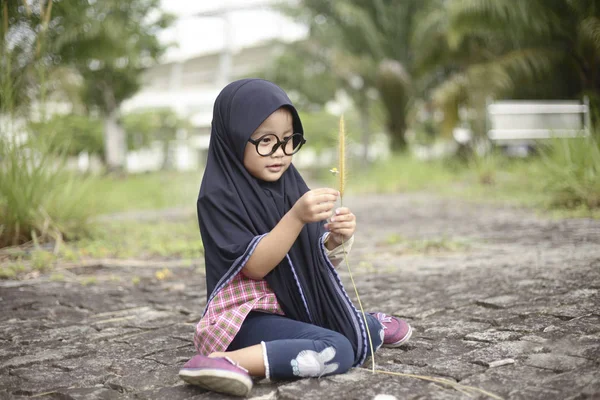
{"x": 88, "y": 55}
{"x": 412, "y": 69}
{"x": 451, "y": 53}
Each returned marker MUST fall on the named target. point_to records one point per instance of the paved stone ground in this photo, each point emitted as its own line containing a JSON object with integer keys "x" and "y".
{"x": 481, "y": 284}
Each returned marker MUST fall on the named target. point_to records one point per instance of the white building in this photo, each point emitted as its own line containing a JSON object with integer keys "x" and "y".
{"x": 193, "y": 74}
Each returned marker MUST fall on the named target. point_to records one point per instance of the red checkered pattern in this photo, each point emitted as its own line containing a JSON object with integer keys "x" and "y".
{"x": 229, "y": 309}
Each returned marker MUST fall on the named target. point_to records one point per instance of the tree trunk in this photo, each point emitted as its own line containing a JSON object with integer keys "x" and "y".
{"x": 397, "y": 131}
{"x": 364, "y": 118}
{"x": 165, "y": 148}
{"x": 114, "y": 142}
{"x": 394, "y": 86}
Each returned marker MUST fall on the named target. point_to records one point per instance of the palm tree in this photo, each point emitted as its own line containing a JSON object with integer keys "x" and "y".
{"x": 534, "y": 49}
{"x": 366, "y": 46}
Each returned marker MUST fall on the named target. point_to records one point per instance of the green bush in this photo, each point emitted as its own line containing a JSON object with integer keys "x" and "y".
{"x": 74, "y": 133}
{"x": 572, "y": 172}
{"x": 40, "y": 199}
{"x": 144, "y": 127}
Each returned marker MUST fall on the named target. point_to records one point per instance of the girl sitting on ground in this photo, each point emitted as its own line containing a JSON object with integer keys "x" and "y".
{"x": 276, "y": 307}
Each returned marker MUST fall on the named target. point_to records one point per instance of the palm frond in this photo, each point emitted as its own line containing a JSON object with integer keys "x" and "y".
{"x": 525, "y": 18}
{"x": 430, "y": 38}
{"x": 359, "y": 27}
{"x": 528, "y": 64}
{"x": 348, "y": 65}
{"x": 589, "y": 31}
{"x": 452, "y": 91}
{"x": 499, "y": 77}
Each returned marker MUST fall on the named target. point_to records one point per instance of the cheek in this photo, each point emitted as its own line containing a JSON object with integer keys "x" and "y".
{"x": 251, "y": 159}
{"x": 247, "y": 151}
{"x": 247, "y": 157}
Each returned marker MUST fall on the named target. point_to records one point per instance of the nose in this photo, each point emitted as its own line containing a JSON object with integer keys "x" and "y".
{"x": 279, "y": 152}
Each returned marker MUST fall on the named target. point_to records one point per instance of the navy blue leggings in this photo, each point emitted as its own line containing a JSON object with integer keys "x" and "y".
{"x": 296, "y": 349}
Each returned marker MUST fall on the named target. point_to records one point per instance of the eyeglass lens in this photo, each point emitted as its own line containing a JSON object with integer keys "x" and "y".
{"x": 268, "y": 143}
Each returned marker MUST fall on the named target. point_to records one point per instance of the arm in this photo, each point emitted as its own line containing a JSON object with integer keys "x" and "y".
{"x": 314, "y": 205}
{"x": 273, "y": 247}
{"x": 336, "y": 255}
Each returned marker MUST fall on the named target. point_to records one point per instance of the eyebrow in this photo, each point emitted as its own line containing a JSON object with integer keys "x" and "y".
{"x": 265, "y": 132}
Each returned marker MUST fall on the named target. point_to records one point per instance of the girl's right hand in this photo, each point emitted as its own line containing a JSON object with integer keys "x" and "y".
{"x": 315, "y": 205}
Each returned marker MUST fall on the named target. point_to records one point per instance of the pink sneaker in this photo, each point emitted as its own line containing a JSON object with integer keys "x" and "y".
{"x": 220, "y": 374}
{"x": 396, "y": 331}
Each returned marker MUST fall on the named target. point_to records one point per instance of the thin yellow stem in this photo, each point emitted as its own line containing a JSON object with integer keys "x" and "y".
{"x": 359, "y": 302}
{"x": 454, "y": 385}
{"x": 341, "y": 171}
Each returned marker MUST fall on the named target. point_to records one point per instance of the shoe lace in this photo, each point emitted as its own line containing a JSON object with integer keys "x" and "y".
{"x": 383, "y": 318}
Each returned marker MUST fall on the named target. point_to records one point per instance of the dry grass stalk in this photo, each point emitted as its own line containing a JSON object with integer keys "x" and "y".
{"x": 341, "y": 172}
{"x": 456, "y": 386}
{"x": 342, "y": 176}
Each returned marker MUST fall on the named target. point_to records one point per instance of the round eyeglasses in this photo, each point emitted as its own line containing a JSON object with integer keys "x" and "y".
{"x": 269, "y": 143}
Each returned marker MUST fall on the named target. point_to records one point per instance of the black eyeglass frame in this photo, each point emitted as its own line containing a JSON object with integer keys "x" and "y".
{"x": 279, "y": 143}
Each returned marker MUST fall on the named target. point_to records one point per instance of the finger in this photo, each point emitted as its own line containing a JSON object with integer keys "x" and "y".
{"x": 344, "y": 224}
{"x": 322, "y": 198}
{"x": 324, "y": 208}
{"x": 342, "y": 211}
{"x": 337, "y": 222}
{"x": 344, "y": 232}
{"x": 340, "y": 228}
{"x": 331, "y": 191}
{"x": 321, "y": 217}
{"x": 343, "y": 217}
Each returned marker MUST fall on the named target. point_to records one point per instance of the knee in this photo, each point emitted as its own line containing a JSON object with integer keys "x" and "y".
{"x": 344, "y": 353}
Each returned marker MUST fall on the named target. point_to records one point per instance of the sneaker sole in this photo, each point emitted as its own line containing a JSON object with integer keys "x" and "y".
{"x": 218, "y": 380}
{"x": 401, "y": 341}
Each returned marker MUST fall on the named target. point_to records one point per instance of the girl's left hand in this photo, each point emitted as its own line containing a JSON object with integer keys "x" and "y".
{"x": 342, "y": 226}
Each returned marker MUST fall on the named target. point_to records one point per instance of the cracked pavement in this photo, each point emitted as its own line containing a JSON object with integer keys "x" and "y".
{"x": 499, "y": 298}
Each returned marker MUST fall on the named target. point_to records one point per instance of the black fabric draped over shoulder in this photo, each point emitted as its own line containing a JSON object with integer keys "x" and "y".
{"x": 236, "y": 210}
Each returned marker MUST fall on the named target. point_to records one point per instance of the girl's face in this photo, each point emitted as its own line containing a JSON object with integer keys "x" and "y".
{"x": 270, "y": 168}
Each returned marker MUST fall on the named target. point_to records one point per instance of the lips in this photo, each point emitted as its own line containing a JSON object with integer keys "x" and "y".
{"x": 275, "y": 167}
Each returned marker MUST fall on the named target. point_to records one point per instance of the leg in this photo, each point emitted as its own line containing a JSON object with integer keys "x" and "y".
{"x": 250, "y": 358}
{"x": 290, "y": 349}
{"x": 376, "y": 330}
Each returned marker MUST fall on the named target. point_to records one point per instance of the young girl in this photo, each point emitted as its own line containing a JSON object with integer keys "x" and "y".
{"x": 276, "y": 307}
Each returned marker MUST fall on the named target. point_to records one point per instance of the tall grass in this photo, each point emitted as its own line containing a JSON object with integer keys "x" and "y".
{"x": 39, "y": 199}
{"x": 572, "y": 172}
{"x": 564, "y": 177}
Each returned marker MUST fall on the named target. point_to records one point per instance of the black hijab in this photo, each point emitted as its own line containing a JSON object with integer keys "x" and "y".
{"x": 235, "y": 210}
